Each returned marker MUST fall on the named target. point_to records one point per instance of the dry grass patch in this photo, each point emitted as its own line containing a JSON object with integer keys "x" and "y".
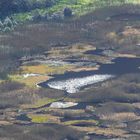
{"x": 5, "y": 123}
{"x": 81, "y": 48}
{"x": 30, "y": 81}
{"x": 76, "y": 49}
{"x": 131, "y": 31}
{"x": 42, "y": 71}
{"x": 86, "y": 68}
{"x": 1, "y": 81}
{"x": 45, "y": 69}
{"x": 63, "y": 112}
{"x": 127, "y": 55}
{"x": 101, "y": 131}
{"x": 98, "y": 58}
{"x": 112, "y": 36}
{"x": 137, "y": 105}
{"x": 33, "y": 81}
{"x": 124, "y": 116}
{"x": 40, "y": 103}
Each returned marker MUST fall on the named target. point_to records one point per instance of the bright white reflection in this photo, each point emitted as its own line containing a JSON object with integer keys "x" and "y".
{"x": 74, "y": 85}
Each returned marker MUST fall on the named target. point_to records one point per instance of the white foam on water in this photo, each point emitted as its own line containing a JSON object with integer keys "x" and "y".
{"x": 73, "y": 85}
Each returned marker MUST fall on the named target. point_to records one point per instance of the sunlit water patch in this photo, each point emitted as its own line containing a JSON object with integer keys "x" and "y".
{"x": 63, "y": 104}
{"x": 72, "y": 82}
{"x": 73, "y": 85}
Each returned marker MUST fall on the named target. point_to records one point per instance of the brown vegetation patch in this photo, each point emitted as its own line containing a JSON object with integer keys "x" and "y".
{"x": 5, "y": 123}
{"x": 85, "y": 68}
{"x": 124, "y": 116}
{"x": 102, "y": 131}
{"x": 65, "y": 112}
{"x": 131, "y": 31}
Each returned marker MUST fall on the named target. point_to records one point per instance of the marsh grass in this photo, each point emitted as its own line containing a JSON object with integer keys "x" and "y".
{"x": 76, "y": 122}
{"x": 124, "y": 116}
{"x": 101, "y": 131}
{"x": 29, "y": 81}
{"x": 75, "y": 49}
{"x": 41, "y": 118}
{"x": 45, "y": 69}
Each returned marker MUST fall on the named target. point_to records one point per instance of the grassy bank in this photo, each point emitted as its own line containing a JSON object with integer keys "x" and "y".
{"x": 79, "y": 7}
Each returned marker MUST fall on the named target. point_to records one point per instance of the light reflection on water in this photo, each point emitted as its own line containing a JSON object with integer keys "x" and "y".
{"x": 74, "y": 85}
{"x": 72, "y": 82}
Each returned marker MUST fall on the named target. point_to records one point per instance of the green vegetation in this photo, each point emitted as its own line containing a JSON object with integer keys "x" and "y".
{"x": 76, "y": 122}
{"x": 38, "y": 118}
{"x": 43, "y": 71}
{"x": 47, "y": 9}
{"x": 43, "y": 118}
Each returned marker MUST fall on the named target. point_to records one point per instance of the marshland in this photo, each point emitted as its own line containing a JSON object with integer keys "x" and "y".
{"x": 69, "y": 70}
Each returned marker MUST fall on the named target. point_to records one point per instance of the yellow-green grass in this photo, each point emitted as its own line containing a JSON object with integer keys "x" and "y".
{"x": 45, "y": 69}
{"x": 29, "y": 81}
{"x": 74, "y": 122}
{"x": 0, "y": 81}
{"x": 43, "y": 118}
{"x": 42, "y": 70}
{"x": 102, "y": 131}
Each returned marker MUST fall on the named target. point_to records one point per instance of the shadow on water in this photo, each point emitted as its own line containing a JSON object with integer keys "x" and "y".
{"x": 23, "y": 117}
